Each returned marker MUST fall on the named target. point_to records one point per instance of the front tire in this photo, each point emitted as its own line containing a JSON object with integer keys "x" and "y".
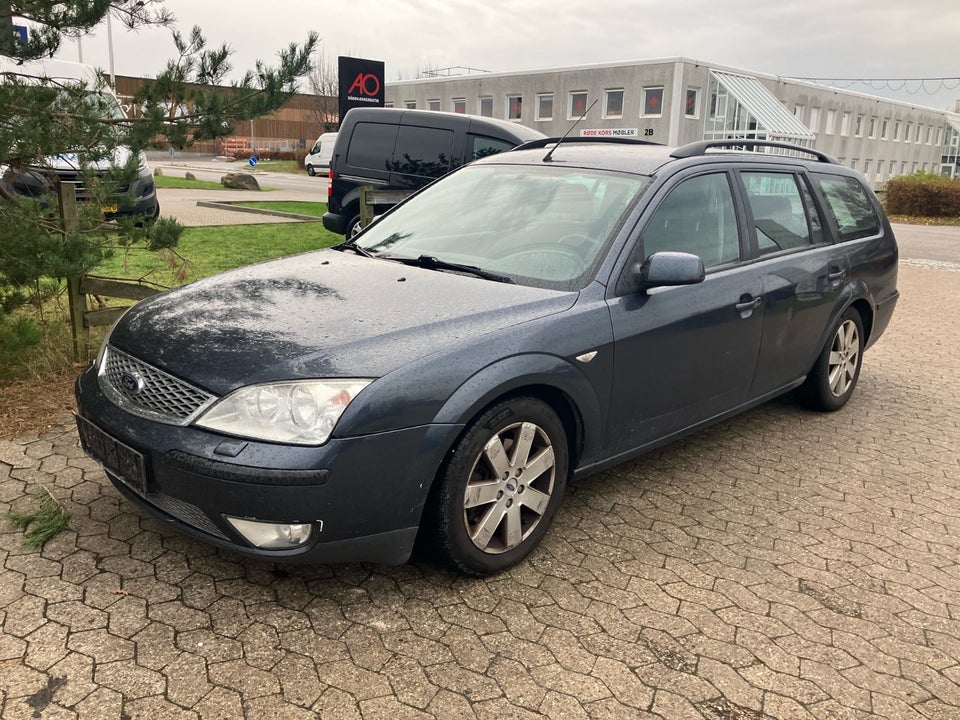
{"x": 500, "y": 487}
{"x": 834, "y": 376}
{"x": 310, "y": 171}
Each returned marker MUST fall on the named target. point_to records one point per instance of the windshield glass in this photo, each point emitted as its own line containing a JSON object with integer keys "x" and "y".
{"x": 542, "y": 226}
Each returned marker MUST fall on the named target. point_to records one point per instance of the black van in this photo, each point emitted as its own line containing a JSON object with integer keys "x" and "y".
{"x": 394, "y": 149}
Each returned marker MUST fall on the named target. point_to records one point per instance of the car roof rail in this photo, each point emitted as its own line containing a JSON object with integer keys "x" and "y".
{"x": 696, "y": 149}
{"x": 543, "y": 142}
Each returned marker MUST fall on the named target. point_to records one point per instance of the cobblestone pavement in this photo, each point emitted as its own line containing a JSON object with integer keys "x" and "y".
{"x": 783, "y": 564}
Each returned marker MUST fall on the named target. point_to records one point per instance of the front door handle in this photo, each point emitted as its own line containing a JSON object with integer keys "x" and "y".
{"x": 748, "y": 305}
{"x": 836, "y": 275}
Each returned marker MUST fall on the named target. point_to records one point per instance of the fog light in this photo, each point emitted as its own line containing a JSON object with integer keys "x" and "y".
{"x": 272, "y": 535}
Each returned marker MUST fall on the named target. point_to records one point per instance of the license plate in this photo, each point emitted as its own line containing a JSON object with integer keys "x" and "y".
{"x": 108, "y": 209}
{"x": 121, "y": 460}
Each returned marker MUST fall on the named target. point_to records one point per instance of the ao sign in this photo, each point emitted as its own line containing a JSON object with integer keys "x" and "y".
{"x": 361, "y": 83}
{"x": 366, "y": 84}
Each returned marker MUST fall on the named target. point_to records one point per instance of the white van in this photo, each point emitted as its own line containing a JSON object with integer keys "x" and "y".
{"x": 318, "y": 159}
{"x": 140, "y": 197}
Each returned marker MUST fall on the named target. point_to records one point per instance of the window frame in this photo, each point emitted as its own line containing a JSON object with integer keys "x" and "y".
{"x": 508, "y": 111}
{"x": 695, "y": 115}
{"x": 463, "y": 103}
{"x": 606, "y": 103}
{"x": 570, "y": 103}
{"x": 643, "y": 101}
{"x": 480, "y": 101}
{"x": 434, "y": 102}
{"x": 540, "y": 97}
{"x": 808, "y": 199}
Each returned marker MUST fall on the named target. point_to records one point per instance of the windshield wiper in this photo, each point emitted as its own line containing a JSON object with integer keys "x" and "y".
{"x": 434, "y": 263}
{"x": 352, "y": 245}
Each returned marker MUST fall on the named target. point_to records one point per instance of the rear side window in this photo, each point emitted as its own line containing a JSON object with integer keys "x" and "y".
{"x": 481, "y": 146}
{"x": 853, "y": 213}
{"x": 425, "y": 152}
{"x": 371, "y": 146}
{"x": 779, "y": 214}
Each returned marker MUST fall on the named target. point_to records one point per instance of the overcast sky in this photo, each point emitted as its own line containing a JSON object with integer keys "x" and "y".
{"x": 809, "y": 38}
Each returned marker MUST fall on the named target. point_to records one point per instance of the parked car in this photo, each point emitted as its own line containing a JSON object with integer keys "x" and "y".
{"x": 392, "y": 149}
{"x": 318, "y": 159}
{"x": 137, "y": 197}
{"x": 537, "y": 315}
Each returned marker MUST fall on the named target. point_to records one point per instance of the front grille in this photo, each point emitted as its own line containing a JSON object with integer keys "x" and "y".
{"x": 76, "y": 177}
{"x": 146, "y": 391}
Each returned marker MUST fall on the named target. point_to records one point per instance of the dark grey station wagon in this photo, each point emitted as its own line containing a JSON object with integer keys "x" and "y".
{"x": 534, "y": 316}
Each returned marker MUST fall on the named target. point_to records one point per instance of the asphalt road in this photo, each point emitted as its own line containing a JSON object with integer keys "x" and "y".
{"x": 213, "y": 170}
{"x": 922, "y": 242}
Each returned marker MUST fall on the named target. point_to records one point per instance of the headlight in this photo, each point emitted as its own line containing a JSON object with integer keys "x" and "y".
{"x": 300, "y": 412}
{"x": 143, "y": 169}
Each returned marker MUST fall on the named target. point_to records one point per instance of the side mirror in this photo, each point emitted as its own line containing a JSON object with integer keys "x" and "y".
{"x": 668, "y": 269}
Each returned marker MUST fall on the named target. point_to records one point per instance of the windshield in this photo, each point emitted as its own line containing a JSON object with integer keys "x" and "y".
{"x": 542, "y": 226}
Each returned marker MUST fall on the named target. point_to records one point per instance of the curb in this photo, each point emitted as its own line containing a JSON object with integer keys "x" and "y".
{"x": 232, "y": 205}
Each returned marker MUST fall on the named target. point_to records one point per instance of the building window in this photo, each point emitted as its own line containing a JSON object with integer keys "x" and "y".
{"x": 873, "y": 127}
{"x": 939, "y": 136}
{"x": 388, "y": 103}
{"x": 853, "y": 164}
{"x": 613, "y": 103}
{"x": 893, "y": 168}
{"x": 908, "y": 132}
{"x": 652, "y": 102}
{"x": 433, "y": 105}
{"x": 514, "y": 107}
{"x": 460, "y": 105}
{"x": 410, "y": 104}
{"x": 866, "y": 168}
{"x": 896, "y": 130}
{"x": 692, "y": 107}
{"x": 845, "y": 124}
{"x": 903, "y": 168}
{"x": 544, "y": 107}
{"x": 814, "y": 120}
{"x": 485, "y": 106}
{"x": 884, "y": 128}
{"x": 929, "y": 134}
{"x": 919, "y": 138}
{"x": 578, "y": 104}
{"x": 831, "y": 122}
{"x": 798, "y": 111}
{"x": 858, "y": 128}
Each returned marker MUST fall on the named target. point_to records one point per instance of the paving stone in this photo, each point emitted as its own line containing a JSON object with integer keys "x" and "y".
{"x": 782, "y": 565}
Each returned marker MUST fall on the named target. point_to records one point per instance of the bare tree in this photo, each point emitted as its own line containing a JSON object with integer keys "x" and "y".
{"x": 324, "y": 84}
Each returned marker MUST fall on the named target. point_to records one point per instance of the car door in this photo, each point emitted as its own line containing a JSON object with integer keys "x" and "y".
{"x": 802, "y": 273}
{"x": 685, "y": 354}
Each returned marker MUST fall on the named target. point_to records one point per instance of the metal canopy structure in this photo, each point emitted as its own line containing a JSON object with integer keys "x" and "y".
{"x": 741, "y": 107}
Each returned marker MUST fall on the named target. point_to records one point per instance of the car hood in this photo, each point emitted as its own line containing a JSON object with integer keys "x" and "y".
{"x": 324, "y": 314}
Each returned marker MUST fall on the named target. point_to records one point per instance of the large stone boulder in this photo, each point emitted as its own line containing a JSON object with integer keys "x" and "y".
{"x": 239, "y": 181}
{"x": 190, "y": 176}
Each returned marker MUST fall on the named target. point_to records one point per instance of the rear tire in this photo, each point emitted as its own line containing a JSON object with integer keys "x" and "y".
{"x": 500, "y": 487}
{"x": 834, "y": 376}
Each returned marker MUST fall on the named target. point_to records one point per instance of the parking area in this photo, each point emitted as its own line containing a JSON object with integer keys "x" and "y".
{"x": 783, "y": 564}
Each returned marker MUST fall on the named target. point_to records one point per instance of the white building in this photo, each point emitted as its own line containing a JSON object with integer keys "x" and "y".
{"x": 679, "y": 100}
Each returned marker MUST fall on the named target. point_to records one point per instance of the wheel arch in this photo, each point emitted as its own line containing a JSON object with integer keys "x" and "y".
{"x": 549, "y": 379}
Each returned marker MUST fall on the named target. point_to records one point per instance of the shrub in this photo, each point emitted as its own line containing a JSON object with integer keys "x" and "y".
{"x": 923, "y": 194}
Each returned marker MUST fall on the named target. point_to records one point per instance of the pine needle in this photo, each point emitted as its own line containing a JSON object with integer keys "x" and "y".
{"x": 45, "y": 522}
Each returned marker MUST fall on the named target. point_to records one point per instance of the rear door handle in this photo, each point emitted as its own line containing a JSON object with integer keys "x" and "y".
{"x": 748, "y": 305}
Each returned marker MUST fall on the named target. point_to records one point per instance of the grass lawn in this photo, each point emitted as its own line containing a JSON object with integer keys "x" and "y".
{"x": 164, "y": 181}
{"x": 210, "y": 250}
{"x": 284, "y": 166}
{"x": 315, "y": 209}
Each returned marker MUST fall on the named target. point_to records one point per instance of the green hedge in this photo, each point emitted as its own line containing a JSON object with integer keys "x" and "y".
{"x": 923, "y": 194}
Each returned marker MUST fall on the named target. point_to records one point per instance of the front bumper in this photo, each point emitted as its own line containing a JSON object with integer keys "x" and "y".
{"x": 363, "y": 496}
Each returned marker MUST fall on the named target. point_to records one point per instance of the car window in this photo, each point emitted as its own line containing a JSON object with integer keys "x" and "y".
{"x": 371, "y": 146}
{"x": 697, "y": 217}
{"x": 779, "y": 214}
{"x": 853, "y": 213}
{"x": 425, "y": 152}
{"x": 541, "y": 226}
{"x": 481, "y": 146}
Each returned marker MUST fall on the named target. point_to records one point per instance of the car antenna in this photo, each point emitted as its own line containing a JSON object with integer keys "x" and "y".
{"x": 547, "y": 157}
